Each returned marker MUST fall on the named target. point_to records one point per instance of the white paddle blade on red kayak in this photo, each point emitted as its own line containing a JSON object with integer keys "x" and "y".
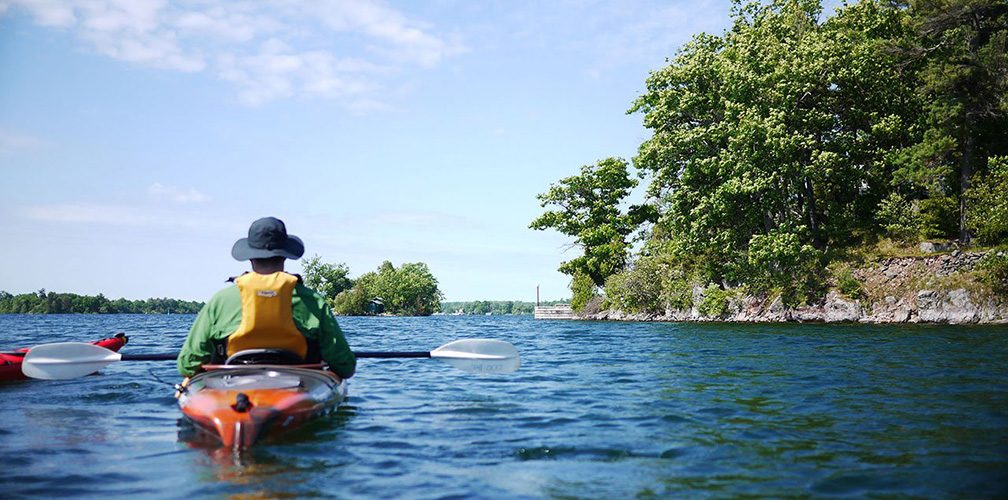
{"x": 64, "y": 360}
{"x": 487, "y": 356}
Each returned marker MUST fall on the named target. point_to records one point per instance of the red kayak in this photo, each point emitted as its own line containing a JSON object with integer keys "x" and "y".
{"x": 10, "y": 362}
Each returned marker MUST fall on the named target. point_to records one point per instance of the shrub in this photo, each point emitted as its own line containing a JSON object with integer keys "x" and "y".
{"x": 583, "y": 289}
{"x": 900, "y": 218}
{"x": 780, "y": 259}
{"x": 987, "y": 203}
{"x": 993, "y": 270}
{"x": 848, "y": 284}
{"x": 677, "y": 293}
{"x": 638, "y": 288}
{"x": 939, "y": 217}
{"x": 714, "y": 303}
{"x": 351, "y": 302}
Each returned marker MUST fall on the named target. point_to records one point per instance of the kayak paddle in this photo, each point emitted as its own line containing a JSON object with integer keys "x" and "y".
{"x": 487, "y": 356}
{"x": 63, "y": 360}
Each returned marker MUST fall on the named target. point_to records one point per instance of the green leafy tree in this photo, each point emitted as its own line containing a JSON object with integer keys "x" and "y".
{"x": 325, "y": 278}
{"x": 769, "y": 141}
{"x": 584, "y": 290}
{"x": 589, "y": 209}
{"x": 492, "y": 307}
{"x": 43, "y": 302}
{"x": 410, "y": 290}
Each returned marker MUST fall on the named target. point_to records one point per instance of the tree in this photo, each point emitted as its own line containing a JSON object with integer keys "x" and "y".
{"x": 410, "y": 290}
{"x": 958, "y": 52}
{"x": 769, "y": 141}
{"x": 589, "y": 210}
{"x": 325, "y": 278}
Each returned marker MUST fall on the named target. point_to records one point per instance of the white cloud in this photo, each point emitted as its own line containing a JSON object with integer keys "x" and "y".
{"x": 270, "y": 50}
{"x": 160, "y": 192}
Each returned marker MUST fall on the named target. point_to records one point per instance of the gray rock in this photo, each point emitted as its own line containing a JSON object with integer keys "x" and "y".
{"x": 839, "y": 309}
{"x": 776, "y": 311}
{"x": 934, "y": 247}
{"x": 953, "y": 306}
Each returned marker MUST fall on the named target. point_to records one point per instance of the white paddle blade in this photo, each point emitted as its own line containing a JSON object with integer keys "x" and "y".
{"x": 486, "y": 356}
{"x": 64, "y": 360}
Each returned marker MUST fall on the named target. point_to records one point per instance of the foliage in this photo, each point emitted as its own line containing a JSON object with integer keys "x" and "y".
{"x": 956, "y": 54}
{"x": 899, "y": 217}
{"x": 988, "y": 198}
{"x": 677, "y": 293}
{"x": 353, "y": 302}
{"x": 495, "y": 307}
{"x": 638, "y": 288}
{"x": 44, "y": 302}
{"x": 994, "y": 271}
{"x": 714, "y": 303}
{"x": 777, "y": 258}
{"x": 790, "y": 139}
{"x": 410, "y": 290}
{"x": 589, "y": 211}
{"x": 583, "y": 288}
{"x": 847, "y": 283}
{"x": 939, "y": 217}
{"x": 772, "y": 136}
{"x": 325, "y": 278}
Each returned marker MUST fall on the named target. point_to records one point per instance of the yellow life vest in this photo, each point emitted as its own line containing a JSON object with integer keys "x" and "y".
{"x": 267, "y": 320}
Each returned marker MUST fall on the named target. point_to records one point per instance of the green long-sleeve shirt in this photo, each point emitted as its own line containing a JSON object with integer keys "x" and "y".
{"x": 221, "y": 316}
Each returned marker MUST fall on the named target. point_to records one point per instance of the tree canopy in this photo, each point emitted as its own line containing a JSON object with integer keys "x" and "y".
{"x": 327, "y": 279}
{"x": 410, "y": 290}
{"x": 43, "y": 302}
{"x": 793, "y": 136}
{"x": 590, "y": 211}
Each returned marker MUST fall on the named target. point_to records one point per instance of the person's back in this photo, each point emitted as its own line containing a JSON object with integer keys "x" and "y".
{"x": 266, "y": 309}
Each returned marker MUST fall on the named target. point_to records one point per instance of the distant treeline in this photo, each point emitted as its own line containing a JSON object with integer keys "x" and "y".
{"x": 43, "y": 302}
{"x": 494, "y": 307}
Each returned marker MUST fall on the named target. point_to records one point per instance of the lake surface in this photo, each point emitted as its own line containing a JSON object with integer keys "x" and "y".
{"x": 598, "y": 410}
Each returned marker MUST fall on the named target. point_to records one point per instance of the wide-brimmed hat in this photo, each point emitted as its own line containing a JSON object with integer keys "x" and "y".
{"x": 267, "y": 238}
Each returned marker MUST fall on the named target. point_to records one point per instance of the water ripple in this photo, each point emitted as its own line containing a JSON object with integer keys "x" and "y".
{"x": 598, "y": 410}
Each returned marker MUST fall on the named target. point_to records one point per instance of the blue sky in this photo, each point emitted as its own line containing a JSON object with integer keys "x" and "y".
{"x": 139, "y": 138}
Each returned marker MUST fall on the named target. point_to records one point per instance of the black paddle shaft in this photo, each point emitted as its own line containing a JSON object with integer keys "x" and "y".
{"x": 359, "y": 354}
{"x": 401, "y": 354}
{"x": 149, "y": 357}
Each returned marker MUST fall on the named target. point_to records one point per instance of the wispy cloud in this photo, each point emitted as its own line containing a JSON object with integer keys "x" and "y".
{"x": 160, "y": 192}
{"x": 89, "y": 213}
{"x": 342, "y": 49}
{"x": 13, "y": 141}
{"x": 127, "y": 215}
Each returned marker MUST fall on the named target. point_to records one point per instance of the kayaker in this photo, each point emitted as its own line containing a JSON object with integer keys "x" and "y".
{"x": 266, "y": 309}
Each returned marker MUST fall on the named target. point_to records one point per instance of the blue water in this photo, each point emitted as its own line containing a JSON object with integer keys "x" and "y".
{"x": 598, "y": 410}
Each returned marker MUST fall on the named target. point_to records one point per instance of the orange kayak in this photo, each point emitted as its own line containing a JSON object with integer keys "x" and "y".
{"x": 240, "y": 404}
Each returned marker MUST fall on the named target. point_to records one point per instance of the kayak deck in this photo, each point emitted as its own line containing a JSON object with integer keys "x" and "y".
{"x": 241, "y": 404}
{"x": 10, "y": 362}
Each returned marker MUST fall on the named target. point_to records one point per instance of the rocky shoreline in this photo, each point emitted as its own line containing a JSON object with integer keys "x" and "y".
{"x": 935, "y": 289}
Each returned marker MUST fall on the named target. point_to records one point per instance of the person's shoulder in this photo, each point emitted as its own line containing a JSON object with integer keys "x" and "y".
{"x": 225, "y": 294}
{"x": 302, "y": 290}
